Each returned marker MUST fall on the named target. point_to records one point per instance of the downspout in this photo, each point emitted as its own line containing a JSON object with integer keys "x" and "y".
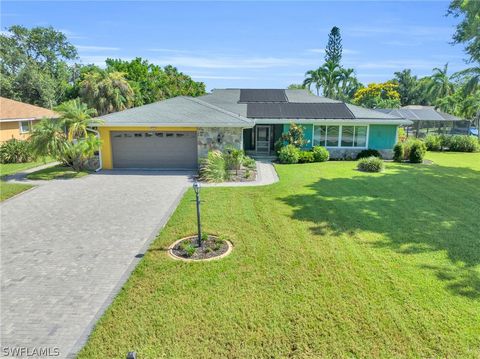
{"x": 100, "y": 165}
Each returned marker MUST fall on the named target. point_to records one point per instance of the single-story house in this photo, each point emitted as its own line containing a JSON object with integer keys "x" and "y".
{"x": 17, "y": 118}
{"x": 428, "y": 119}
{"x": 176, "y": 132}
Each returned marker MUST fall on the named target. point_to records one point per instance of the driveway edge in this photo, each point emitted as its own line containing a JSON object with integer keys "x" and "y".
{"x": 133, "y": 264}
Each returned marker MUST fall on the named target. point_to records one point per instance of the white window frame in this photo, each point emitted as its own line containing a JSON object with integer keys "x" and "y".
{"x": 29, "y": 126}
{"x": 340, "y": 135}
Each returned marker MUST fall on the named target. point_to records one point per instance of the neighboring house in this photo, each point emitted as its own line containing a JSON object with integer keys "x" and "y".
{"x": 176, "y": 132}
{"x": 17, "y": 118}
{"x": 427, "y": 119}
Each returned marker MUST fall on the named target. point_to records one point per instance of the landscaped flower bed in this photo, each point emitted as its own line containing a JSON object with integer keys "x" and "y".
{"x": 211, "y": 247}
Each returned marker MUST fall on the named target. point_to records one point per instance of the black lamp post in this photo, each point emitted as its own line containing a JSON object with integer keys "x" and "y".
{"x": 196, "y": 188}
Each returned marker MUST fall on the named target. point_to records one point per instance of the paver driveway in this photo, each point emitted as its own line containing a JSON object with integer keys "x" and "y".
{"x": 68, "y": 246}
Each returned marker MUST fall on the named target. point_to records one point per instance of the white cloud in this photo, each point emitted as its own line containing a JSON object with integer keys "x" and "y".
{"x": 96, "y": 48}
{"x": 430, "y": 32}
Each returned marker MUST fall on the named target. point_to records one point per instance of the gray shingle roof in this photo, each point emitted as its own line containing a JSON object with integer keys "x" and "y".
{"x": 177, "y": 111}
{"x": 222, "y": 108}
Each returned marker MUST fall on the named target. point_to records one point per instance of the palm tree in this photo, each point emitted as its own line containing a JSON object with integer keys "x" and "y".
{"x": 440, "y": 84}
{"x": 313, "y": 77}
{"x": 348, "y": 85}
{"x": 331, "y": 75}
{"x": 106, "y": 91}
{"x": 76, "y": 117}
{"x": 473, "y": 79}
{"x": 48, "y": 138}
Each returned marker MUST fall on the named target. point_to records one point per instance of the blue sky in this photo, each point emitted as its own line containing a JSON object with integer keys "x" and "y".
{"x": 253, "y": 44}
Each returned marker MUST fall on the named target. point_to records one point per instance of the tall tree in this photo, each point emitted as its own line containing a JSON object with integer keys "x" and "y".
{"x": 313, "y": 78}
{"x": 331, "y": 75}
{"x": 468, "y": 30}
{"x": 440, "y": 84}
{"x": 106, "y": 91}
{"x": 382, "y": 95}
{"x": 33, "y": 66}
{"x": 333, "y": 51}
{"x": 407, "y": 87}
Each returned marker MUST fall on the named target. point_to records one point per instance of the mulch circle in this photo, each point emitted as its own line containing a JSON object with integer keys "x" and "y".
{"x": 187, "y": 249}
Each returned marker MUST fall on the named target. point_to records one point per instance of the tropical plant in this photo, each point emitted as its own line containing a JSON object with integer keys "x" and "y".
{"x": 48, "y": 138}
{"x": 234, "y": 159}
{"x": 440, "y": 83}
{"x": 320, "y": 154}
{"x": 289, "y": 154}
{"x": 106, "y": 91}
{"x": 15, "y": 151}
{"x": 331, "y": 75}
{"x": 371, "y": 164}
{"x": 433, "y": 142}
{"x": 407, "y": 87}
{"x": 294, "y": 136}
{"x": 467, "y": 31}
{"x": 313, "y": 78}
{"x": 76, "y": 117}
{"x": 213, "y": 167}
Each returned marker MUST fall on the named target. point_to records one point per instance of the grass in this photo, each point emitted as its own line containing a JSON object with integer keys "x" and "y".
{"x": 329, "y": 262}
{"x": 11, "y": 168}
{"x": 56, "y": 172}
{"x": 8, "y": 190}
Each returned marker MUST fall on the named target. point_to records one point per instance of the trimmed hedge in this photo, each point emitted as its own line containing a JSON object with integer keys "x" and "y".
{"x": 417, "y": 151}
{"x": 289, "y": 154}
{"x": 320, "y": 154}
{"x": 306, "y": 157}
{"x": 371, "y": 164}
{"x": 399, "y": 152}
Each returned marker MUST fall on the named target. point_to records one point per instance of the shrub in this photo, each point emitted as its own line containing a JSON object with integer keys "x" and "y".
{"x": 213, "y": 168}
{"x": 189, "y": 249}
{"x": 368, "y": 153}
{"x": 445, "y": 141}
{"x": 233, "y": 158}
{"x": 461, "y": 143}
{"x": 320, "y": 154}
{"x": 306, "y": 157}
{"x": 433, "y": 142}
{"x": 289, "y": 154}
{"x": 371, "y": 164}
{"x": 249, "y": 163}
{"x": 398, "y": 152}
{"x": 294, "y": 136}
{"x": 15, "y": 151}
{"x": 277, "y": 146}
{"x": 417, "y": 151}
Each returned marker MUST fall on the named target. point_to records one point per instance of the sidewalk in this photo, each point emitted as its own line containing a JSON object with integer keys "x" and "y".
{"x": 266, "y": 175}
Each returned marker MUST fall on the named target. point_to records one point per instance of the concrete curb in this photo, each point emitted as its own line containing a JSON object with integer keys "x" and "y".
{"x": 175, "y": 257}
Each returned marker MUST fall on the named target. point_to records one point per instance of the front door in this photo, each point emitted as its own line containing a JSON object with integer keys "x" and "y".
{"x": 263, "y": 139}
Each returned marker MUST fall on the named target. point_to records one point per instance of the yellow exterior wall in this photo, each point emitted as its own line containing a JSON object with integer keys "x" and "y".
{"x": 106, "y": 150}
{"x": 9, "y": 130}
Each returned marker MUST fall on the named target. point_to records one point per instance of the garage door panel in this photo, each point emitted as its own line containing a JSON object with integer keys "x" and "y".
{"x": 154, "y": 150}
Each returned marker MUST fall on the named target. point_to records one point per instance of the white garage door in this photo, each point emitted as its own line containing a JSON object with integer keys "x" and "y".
{"x": 155, "y": 149}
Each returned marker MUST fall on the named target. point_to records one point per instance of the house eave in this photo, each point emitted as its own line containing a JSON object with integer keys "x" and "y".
{"x": 356, "y": 121}
{"x": 173, "y": 124}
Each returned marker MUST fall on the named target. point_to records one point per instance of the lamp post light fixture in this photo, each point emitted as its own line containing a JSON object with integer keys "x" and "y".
{"x": 196, "y": 188}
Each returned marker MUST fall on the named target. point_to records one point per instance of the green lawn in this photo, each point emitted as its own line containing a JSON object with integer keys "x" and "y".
{"x": 8, "y": 190}
{"x": 329, "y": 262}
{"x": 56, "y": 172}
{"x": 11, "y": 168}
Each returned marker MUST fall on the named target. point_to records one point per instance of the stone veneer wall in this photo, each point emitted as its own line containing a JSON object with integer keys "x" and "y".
{"x": 218, "y": 138}
{"x": 351, "y": 154}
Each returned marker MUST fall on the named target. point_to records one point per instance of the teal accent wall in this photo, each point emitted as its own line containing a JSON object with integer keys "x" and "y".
{"x": 382, "y": 137}
{"x": 307, "y": 133}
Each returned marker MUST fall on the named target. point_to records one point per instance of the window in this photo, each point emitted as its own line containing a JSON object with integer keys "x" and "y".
{"x": 332, "y": 136}
{"x": 340, "y": 136}
{"x": 117, "y": 135}
{"x": 180, "y": 134}
{"x": 319, "y": 135}
{"x": 138, "y": 135}
{"x": 347, "y": 136}
{"x": 148, "y": 134}
{"x": 127, "y": 135}
{"x": 159, "y": 134}
{"x": 360, "y": 136}
{"x": 169, "y": 134}
{"x": 24, "y": 126}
